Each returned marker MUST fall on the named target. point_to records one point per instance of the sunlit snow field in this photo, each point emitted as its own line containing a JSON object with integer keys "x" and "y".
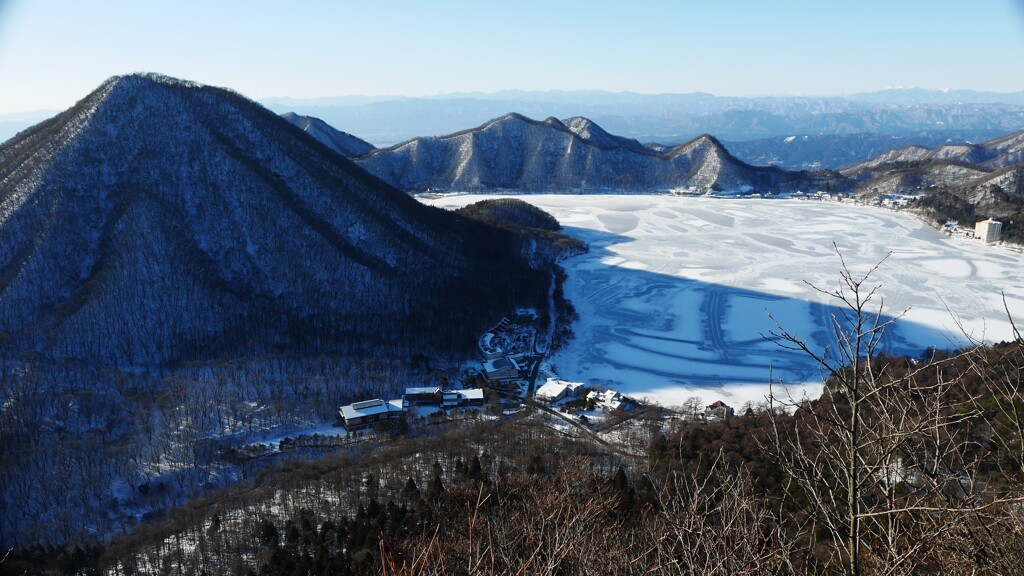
{"x": 672, "y": 296}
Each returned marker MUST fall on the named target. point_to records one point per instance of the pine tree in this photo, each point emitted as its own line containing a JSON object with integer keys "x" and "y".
{"x": 411, "y": 490}
{"x": 476, "y": 471}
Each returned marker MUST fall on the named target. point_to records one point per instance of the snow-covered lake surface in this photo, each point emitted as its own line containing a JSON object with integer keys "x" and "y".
{"x": 672, "y": 296}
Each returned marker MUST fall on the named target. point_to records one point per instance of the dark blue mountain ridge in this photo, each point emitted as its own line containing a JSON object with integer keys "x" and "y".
{"x": 159, "y": 220}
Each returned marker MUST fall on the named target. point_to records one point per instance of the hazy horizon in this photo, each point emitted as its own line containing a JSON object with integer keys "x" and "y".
{"x": 379, "y": 97}
{"x": 53, "y": 52}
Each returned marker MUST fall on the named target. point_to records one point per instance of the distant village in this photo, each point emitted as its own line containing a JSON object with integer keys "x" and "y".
{"x": 510, "y": 368}
{"x": 510, "y": 358}
{"x": 986, "y": 231}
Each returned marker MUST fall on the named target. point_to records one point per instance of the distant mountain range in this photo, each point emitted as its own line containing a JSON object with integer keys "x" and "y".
{"x": 11, "y": 124}
{"x": 160, "y": 221}
{"x": 675, "y": 118}
{"x": 705, "y": 100}
{"x": 574, "y": 155}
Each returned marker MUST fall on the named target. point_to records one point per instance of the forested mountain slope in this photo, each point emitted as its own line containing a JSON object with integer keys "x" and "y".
{"x": 994, "y": 153}
{"x": 159, "y": 221}
{"x": 182, "y": 272}
{"x": 962, "y": 182}
{"x": 756, "y": 493}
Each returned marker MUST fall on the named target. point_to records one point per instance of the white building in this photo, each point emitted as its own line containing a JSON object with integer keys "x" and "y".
{"x": 464, "y": 397}
{"x": 360, "y": 415}
{"x": 988, "y": 231}
{"x": 554, "y": 390}
{"x": 443, "y": 397}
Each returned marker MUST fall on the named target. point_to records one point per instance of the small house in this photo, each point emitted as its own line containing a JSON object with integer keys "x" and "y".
{"x": 718, "y": 411}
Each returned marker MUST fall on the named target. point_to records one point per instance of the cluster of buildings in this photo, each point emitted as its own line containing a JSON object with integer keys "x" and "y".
{"x": 365, "y": 414}
{"x": 507, "y": 351}
{"x": 895, "y": 201}
{"x": 555, "y": 390}
{"x": 987, "y": 231}
{"x": 823, "y": 196}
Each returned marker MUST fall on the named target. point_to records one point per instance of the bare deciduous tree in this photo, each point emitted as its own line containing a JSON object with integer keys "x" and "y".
{"x": 883, "y": 460}
{"x": 712, "y": 523}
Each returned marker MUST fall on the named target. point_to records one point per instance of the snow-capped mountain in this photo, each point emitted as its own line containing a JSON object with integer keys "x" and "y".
{"x": 995, "y": 153}
{"x": 917, "y": 177}
{"x": 995, "y": 194}
{"x": 516, "y": 153}
{"x": 965, "y": 166}
{"x": 341, "y": 142}
{"x": 591, "y": 133}
{"x": 963, "y": 182}
{"x": 159, "y": 220}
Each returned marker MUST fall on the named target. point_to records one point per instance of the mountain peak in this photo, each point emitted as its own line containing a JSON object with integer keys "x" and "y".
{"x": 706, "y": 143}
{"x": 516, "y": 116}
{"x": 150, "y": 78}
{"x": 234, "y": 232}
{"x": 585, "y": 128}
{"x": 125, "y": 84}
{"x": 709, "y": 140}
{"x": 589, "y": 131}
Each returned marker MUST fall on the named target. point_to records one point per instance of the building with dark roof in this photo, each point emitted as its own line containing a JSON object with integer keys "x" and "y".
{"x": 503, "y": 368}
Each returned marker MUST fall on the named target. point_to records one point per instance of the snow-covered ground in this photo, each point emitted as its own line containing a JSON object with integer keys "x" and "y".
{"x": 673, "y": 295}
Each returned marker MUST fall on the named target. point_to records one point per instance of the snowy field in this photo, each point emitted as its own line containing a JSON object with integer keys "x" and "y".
{"x": 674, "y": 294}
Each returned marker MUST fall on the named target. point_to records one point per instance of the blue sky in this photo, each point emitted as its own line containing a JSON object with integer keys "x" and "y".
{"x": 53, "y": 52}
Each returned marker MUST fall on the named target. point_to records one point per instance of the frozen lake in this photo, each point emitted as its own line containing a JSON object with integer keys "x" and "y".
{"x": 674, "y": 293}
